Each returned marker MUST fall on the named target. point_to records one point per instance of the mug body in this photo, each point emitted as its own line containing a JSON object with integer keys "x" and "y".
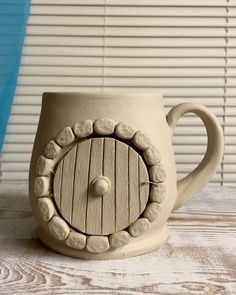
{"x": 142, "y": 111}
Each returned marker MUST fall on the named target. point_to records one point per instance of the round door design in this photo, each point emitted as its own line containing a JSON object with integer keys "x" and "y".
{"x": 108, "y": 165}
{"x": 99, "y": 184}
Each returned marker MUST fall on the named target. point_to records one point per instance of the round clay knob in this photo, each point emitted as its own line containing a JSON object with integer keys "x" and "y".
{"x": 100, "y": 185}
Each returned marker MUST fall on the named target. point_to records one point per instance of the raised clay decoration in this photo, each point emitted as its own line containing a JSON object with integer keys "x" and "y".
{"x": 102, "y": 177}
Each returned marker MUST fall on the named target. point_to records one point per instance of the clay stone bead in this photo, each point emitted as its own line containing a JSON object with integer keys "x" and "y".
{"x": 119, "y": 239}
{"x": 104, "y": 126}
{"x": 152, "y": 156}
{"x": 157, "y": 173}
{"x": 41, "y": 186}
{"x": 124, "y": 131}
{"x": 157, "y": 193}
{"x": 141, "y": 140}
{"x": 83, "y": 128}
{"x": 46, "y": 208}
{"x": 44, "y": 166}
{"x": 58, "y": 228}
{"x": 76, "y": 240}
{"x": 97, "y": 244}
{"x": 52, "y": 149}
{"x": 65, "y": 137}
{"x": 152, "y": 211}
{"x": 139, "y": 227}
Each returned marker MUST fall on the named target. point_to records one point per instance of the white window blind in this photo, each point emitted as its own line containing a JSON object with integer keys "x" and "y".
{"x": 185, "y": 49}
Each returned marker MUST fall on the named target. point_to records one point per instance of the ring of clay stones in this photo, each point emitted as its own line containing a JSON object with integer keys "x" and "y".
{"x": 60, "y": 229}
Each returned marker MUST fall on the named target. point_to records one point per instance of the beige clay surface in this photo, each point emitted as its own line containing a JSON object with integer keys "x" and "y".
{"x": 102, "y": 180}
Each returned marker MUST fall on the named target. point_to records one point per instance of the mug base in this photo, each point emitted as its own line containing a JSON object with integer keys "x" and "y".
{"x": 138, "y": 246}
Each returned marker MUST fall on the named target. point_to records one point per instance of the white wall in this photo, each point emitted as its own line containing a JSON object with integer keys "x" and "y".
{"x": 185, "y": 49}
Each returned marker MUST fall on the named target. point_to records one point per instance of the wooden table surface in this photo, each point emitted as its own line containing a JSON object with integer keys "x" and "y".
{"x": 198, "y": 258}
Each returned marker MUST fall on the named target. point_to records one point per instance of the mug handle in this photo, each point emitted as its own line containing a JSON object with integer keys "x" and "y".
{"x": 200, "y": 176}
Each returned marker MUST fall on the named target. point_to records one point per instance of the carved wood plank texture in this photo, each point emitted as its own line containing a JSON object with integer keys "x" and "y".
{"x": 122, "y": 193}
{"x": 67, "y": 184}
{"x": 94, "y": 208}
{"x": 143, "y": 185}
{"x": 81, "y": 185}
{"x": 126, "y": 198}
{"x": 109, "y": 205}
{"x": 57, "y": 181}
{"x": 133, "y": 186}
{"x": 199, "y": 257}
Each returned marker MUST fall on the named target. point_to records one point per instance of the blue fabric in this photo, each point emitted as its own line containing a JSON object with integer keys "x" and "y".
{"x": 13, "y": 20}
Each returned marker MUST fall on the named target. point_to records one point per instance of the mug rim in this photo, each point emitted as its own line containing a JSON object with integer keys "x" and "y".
{"x": 67, "y": 94}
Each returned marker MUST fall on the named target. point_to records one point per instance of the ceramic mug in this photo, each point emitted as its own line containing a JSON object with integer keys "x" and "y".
{"x": 102, "y": 180}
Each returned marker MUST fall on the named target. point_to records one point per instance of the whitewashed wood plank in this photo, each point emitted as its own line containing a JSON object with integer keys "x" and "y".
{"x": 200, "y": 253}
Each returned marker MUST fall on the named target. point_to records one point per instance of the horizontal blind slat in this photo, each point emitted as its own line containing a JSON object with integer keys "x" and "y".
{"x": 123, "y": 21}
{"x": 55, "y": 71}
{"x": 71, "y": 51}
{"x": 128, "y": 10}
{"x": 125, "y": 62}
{"x": 125, "y": 81}
{"x": 133, "y": 2}
{"x": 128, "y": 41}
{"x": 127, "y": 31}
{"x": 68, "y": 2}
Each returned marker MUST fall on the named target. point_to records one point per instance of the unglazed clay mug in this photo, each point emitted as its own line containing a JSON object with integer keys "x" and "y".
{"x": 102, "y": 180}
